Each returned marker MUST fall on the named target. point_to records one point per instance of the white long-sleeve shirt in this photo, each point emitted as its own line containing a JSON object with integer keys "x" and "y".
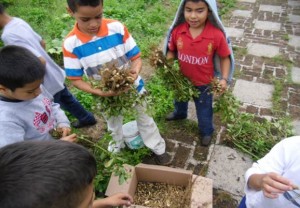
{"x": 284, "y": 159}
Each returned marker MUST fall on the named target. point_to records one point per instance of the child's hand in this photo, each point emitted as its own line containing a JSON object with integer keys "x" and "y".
{"x": 107, "y": 93}
{"x": 133, "y": 73}
{"x": 64, "y": 130}
{"x": 69, "y": 138}
{"x": 223, "y": 84}
{"x": 273, "y": 184}
{"x": 118, "y": 199}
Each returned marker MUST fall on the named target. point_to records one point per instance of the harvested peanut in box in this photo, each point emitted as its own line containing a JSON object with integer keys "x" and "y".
{"x": 162, "y": 195}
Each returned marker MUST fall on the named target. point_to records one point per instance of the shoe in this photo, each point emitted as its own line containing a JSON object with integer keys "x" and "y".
{"x": 149, "y": 159}
{"x": 115, "y": 147}
{"x": 206, "y": 140}
{"x": 77, "y": 124}
{"x": 173, "y": 117}
{"x": 164, "y": 159}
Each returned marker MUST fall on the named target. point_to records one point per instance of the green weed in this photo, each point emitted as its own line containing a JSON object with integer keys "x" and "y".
{"x": 108, "y": 163}
{"x": 248, "y": 133}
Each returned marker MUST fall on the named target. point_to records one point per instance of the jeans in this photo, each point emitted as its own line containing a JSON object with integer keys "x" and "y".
{"x": 204, "y": 110}
{"x": 69, "y": 103}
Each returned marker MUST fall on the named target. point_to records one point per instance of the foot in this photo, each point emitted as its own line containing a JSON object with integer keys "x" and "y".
{"x": 164, "y": 159}
{"x": 77, "y": 124}
{"x": 206, "y": 140}
{"x": 172, "y": 117}
{"x": 115, "y": 147}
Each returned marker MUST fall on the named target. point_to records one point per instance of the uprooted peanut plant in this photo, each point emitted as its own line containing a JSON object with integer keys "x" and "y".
{"x": 118, "y": 80}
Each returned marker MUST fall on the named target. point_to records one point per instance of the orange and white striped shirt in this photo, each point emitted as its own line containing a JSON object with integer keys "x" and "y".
{"x": 87, "y": 55}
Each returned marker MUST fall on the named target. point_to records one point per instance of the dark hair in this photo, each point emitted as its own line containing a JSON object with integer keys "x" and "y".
{"x": 44, "y": 174}
{"x": 18, "y": 67}
{"x": 73, "y": 4}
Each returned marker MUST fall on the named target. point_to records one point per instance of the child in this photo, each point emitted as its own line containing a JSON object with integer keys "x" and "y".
{"x": 96, "y": 41}
{"x": 61, "y": 178}
{"x": 274, "y": 180}
{"x": 17, "y": 32}
{"x": 27, "y": 113}
{"x": 194, "y": 41}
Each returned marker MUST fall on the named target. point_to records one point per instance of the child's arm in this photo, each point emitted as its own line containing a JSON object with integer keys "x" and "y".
{"x": 119, "y": 199}
{"x": 225, "y": 69}
{"x": 136, "y": 66}
{"x": 170, "y": 55}
{"x": 69, "y": 138}
{"x": 86, "y": 87}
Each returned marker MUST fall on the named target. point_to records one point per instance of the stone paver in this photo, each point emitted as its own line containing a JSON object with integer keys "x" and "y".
{"x": 257, "y": 49}
{"x": 294, "y": 40}
{"x": 266, "y": 25}
{"x": 254, "y": 93}
{"x": 241, "y": 13}
{"x": 294, "y": 18}
{"x": 247, "y": 1}
{"x": 296, "y": 125}
{"x": 234, "y": 32}
{"x": 296, "y": 75}
{"x": 227, "y": 167}
{"x": 295, "y": 3}
{"x": 192, "y": 111}
{"x": 270, "y": 8}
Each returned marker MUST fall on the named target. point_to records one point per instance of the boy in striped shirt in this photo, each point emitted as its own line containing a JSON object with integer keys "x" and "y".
{"x": 95, "y": 42}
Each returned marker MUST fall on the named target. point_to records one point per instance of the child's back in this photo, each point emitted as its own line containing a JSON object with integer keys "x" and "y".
{"x": 18, "y": 32}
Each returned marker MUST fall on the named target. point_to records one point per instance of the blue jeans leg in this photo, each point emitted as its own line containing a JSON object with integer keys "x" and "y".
{"x": 69, "y": 103}
{"x": 204, "y": 111}
{"x": 180, "y": 109}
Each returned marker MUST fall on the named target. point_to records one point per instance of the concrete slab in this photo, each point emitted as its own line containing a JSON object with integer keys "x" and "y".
{"x": 294, "y": 3}
{"x": 296, "y": 75}
{"x": 294, "y": 40}
{"x": 254, "y": 93}
{"x": 234, "y": 32}
{"x": 242, "y": 13}
{"x": 247, "y": 1}
{"x": 270, "y": 8}
{"x": 296, "y": 125}
{"x": 192, "y": 115}
{"x": 227, "y": 168}
{"x": 294, "y": 18}
{"x": 257, "y": 49}
{"x": 266, "y": 25}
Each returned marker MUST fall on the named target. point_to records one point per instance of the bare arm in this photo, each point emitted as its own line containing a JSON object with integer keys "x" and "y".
{"x": 43, "y": 44}
{"x": 170, "y": 55}
{"x": 271, "y": 184}
{"x": 136, "y": 67}
{"x": 86, "y": 87}
{"x": 225, "y": 69}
